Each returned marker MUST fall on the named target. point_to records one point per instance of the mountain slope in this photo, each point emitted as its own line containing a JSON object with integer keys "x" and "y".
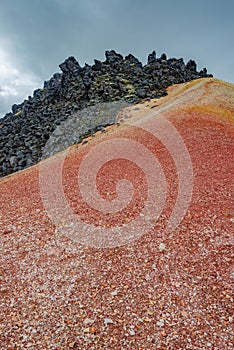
{"x": 25, "y": 131}
{"x": 163, "y": 288}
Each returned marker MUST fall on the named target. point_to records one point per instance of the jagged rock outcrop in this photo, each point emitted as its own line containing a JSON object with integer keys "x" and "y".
{"x": 25, "y": 130}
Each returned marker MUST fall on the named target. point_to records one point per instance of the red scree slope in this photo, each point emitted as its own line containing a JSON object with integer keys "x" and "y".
{"x": 160, "y": 291}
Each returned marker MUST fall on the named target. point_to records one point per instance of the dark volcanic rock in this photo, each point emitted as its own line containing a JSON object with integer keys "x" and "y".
{"x": 163, "y": 57}
{"x": 191, "y": 65}
{"x": 113, "y": 57}
{"x": 152, "y": 57}
{"x": 70, "y": 65}
{"x": 25, "y": 131}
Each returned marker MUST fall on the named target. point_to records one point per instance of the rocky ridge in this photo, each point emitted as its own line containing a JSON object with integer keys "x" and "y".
{"x": 25, "y": 130}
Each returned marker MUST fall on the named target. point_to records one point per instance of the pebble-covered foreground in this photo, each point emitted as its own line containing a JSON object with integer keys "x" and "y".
{"x": 160, "y": 291}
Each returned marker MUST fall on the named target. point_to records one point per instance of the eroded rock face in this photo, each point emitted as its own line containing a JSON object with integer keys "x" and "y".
{"x": 25, "y": 130}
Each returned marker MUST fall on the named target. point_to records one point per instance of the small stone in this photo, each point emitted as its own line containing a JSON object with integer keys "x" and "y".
{"x": 150, "y": 312}
{"x": 184, "y": 313}
{"x": 160, "y": 323}
{"x": 161, "y": 247}
{"x": 163, "y": 334}
{"x": 141, "y": 92}
{"x": 107, "y": 320}
{"x": 93, "y": 330}
{"x": 147, "y": 277}
{"x": 88, "y": 321}
{"x": 114, "y": 293}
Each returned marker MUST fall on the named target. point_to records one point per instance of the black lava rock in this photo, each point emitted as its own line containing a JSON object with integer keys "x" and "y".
{"x": 152, "y": 57}
{"x": 25, "y": 130}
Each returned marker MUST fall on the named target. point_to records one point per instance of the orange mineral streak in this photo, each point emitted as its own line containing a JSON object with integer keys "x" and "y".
{"x": 164, "y": 292}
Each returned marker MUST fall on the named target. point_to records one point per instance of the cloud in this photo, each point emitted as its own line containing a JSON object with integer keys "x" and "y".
{"x": 14, "y": 84}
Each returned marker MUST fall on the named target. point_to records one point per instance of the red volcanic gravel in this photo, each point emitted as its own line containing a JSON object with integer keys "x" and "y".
{"x": 162, "y": 290}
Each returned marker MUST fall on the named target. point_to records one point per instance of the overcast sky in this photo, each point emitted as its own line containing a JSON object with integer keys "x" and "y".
{"x": 37, "y": 35}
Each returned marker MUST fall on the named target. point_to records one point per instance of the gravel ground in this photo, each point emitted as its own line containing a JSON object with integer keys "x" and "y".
{"x": 162, "y": 290}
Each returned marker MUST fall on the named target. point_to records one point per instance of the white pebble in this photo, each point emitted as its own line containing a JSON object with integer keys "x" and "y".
{"x": 161, "y": 246}
{"x": 107, "y": 320}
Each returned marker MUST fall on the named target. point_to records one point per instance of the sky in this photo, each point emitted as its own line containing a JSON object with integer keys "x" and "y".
{"x": 37, "y": 35}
